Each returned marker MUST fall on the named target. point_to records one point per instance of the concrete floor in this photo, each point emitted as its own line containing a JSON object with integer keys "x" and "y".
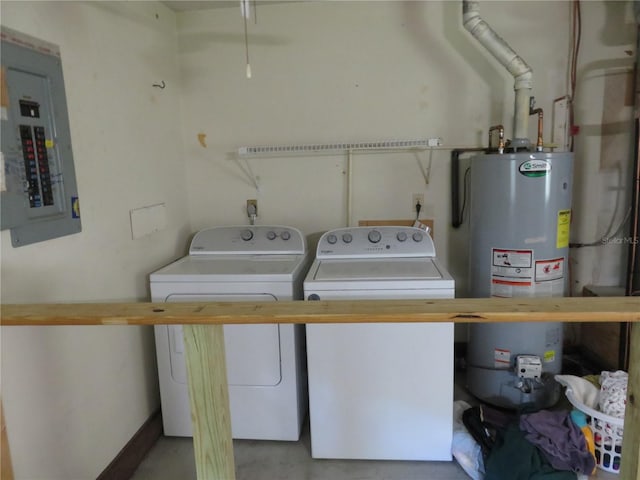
{"x": 172, "y": 458}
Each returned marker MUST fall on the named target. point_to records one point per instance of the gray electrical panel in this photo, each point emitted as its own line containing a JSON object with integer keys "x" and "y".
{"x": 38, "y": 191}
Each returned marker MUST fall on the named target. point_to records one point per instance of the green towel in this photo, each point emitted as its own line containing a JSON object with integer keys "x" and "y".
{"x": 515, "y": 458}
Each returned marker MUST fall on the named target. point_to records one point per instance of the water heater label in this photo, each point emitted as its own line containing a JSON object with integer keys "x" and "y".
{"x": 550, "y": 277}
{"x": 564, "y": 222}
{"x": 549, "y": 356}
{"x": 512, "y": 273}
{"x": 534, "y": 168}
{"x": 501, "y": 358}
{"x": 549, "y": 270}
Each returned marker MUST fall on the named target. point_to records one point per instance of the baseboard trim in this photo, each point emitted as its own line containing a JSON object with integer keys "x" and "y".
{"x": 127, "y": 461}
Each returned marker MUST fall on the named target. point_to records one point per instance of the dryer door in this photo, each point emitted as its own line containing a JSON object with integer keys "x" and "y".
{"x": 252, "y": 351}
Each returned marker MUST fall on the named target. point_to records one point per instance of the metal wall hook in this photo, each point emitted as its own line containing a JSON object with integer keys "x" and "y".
{"x": 159, "y": 85}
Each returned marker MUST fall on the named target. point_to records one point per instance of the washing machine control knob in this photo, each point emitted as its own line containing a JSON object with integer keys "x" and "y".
{"x": 271, "y": 235}
{"x": 285, "y": 235}
{"x": 417, "y": 237}
{"x": 402, "y": 236}
{"x": 332, "y": 239}
{"x": 246, "y": 235}
{"x": 347, "y": 238}
{"x": 313, "y": 296}
{"x": 374, "y": 236}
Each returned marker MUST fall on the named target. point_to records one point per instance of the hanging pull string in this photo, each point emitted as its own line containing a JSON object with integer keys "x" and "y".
{"x": 244, "y": 7}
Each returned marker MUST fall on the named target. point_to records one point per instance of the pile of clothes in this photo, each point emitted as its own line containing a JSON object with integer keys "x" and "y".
{"x": 542, "y": 445}
{"x": 613, "y": 393}
{"x": 494, "y": 444}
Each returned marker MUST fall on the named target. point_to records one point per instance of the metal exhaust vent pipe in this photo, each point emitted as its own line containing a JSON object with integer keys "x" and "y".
{"x": 514, "y": 64}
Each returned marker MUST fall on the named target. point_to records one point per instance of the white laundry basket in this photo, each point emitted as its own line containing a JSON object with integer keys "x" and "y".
{"x": 607, "y": 435}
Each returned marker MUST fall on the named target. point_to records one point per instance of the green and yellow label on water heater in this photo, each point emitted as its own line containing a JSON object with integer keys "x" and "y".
{"x": 564, "y": 221}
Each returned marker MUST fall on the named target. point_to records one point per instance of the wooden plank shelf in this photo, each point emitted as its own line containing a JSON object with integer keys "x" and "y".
{"x": 460, "y": 310}
{"x": 204, "y": 345}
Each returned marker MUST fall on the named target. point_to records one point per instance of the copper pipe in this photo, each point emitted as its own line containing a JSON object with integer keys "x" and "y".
{"x": 540, "y": 115}
{"x": 500, "y": 129}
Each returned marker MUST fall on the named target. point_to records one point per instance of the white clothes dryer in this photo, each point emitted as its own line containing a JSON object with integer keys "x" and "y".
{"x": 379, "y": 390}
{"x": 266, "y": 368}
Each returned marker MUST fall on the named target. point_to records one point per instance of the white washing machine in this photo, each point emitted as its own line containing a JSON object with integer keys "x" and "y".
{"x": 266, "y": 367}
{"x": 379, "y": 390}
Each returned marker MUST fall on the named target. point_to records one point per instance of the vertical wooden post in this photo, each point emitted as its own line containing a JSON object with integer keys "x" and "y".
{"x": 6, "y": 468}
{"x": 209, "y": 398}
{"x": 630, "y": 468}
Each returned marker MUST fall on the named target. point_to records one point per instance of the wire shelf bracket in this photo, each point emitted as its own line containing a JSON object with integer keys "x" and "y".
{"x": 319, "y": 148}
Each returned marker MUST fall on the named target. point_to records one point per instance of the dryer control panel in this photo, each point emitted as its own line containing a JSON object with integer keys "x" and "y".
{"x": 248, "y": 240}
{"x": 369, "y": 242}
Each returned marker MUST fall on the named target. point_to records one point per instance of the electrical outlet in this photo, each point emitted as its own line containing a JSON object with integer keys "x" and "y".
{"x": 252, "y": 208}
{"x": 417, "y": 198}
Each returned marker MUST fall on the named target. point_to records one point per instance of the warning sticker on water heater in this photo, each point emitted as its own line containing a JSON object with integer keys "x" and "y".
{"x": 564, "y": 223}
{"x": 547, "y": 270}
{"x": 501, "y": 358}
{"x": 512, "y": 273}
{"x": 550, "y": 277}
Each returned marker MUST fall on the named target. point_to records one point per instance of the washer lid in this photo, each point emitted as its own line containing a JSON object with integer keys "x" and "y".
{"x": 378, "y": 269}
{"x": 231, "y": 268}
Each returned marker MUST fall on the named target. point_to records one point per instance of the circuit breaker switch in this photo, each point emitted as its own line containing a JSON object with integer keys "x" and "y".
{"x": 29, "y": 109}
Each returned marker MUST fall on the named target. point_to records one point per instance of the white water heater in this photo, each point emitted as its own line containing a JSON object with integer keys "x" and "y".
{"x": 519, "y": 243}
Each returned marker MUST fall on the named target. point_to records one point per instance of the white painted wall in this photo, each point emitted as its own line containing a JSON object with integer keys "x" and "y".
{"x": 73, "y": 396}
{"x": 604, "y": 150}
{"x": 353, "y": 71}
{"x": 347, "y": 72}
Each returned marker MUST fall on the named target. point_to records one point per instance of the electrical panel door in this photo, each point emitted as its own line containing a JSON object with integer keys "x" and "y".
{"x": 39, "y": 197}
